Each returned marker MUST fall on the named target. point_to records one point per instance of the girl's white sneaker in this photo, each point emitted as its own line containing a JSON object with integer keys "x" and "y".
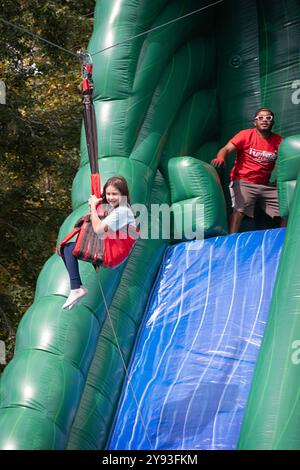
{"x": 74, "y": 296}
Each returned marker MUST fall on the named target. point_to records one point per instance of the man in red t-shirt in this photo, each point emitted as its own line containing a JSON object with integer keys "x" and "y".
{"x": 256, "y": 156}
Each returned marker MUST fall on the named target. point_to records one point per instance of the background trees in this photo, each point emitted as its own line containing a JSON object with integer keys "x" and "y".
{"x": 39, "y": 141}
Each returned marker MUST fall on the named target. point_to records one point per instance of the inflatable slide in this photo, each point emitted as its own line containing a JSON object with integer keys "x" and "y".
{"x": 189, "y": 344}
{"x": 198, "y": 344}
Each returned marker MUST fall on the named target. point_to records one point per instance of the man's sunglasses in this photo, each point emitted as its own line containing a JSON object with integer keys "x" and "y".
{"x": 262, "y": 118}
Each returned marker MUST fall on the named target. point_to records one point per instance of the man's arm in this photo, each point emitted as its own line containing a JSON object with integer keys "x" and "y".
{"x": 220, "y": 159}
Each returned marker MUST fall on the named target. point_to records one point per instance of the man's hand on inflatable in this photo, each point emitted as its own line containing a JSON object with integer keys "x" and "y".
{"x": 218, "y": 162}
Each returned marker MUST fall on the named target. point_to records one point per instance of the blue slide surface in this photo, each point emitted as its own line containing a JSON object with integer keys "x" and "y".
{"x": 194, "y": 358}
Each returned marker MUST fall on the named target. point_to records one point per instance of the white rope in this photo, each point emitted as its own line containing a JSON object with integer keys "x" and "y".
{"x": 125, "y": 367}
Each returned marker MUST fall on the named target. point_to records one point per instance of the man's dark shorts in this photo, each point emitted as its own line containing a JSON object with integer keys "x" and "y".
{"x": 244, "y": 196}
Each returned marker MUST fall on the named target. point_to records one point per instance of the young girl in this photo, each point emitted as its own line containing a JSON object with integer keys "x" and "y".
{"x": 120, "y": 215}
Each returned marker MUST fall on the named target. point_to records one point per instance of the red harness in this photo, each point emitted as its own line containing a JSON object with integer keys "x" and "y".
{"x": 108, "y": 252}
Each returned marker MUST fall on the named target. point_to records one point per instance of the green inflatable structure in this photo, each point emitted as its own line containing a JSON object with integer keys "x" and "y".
{"x": 165, "y": 101}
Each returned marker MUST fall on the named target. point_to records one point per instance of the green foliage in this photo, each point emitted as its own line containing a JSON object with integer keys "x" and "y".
{"x": 39, "y": 141}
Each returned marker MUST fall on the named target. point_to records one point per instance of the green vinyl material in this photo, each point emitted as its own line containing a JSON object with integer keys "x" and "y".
{"x": 288, "y": 170}
{"x": 164, "y": 102}
{"x": 194, "y": 183}
{"x": 272, "y": 418}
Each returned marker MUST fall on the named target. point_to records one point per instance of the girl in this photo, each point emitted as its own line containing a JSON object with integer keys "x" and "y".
{"x": 120, "y": 215}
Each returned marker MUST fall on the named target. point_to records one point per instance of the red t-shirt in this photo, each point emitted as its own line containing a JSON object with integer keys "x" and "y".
{"x": 256, "y": 156}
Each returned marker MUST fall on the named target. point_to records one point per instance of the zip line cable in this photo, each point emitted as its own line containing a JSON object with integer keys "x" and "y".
{"x": 21, "y": 28}
{"x": 125, "y": 367}
{"x": 88, "y": 14}
{"x": 68, "y": 51}
{"x": 158, "y": 27}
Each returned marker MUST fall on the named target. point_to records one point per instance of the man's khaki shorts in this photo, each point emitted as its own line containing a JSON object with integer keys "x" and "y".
{"x": 245, "y": 195}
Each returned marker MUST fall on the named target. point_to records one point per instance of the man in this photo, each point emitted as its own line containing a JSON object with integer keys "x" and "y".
{"x": 256, "y": 156}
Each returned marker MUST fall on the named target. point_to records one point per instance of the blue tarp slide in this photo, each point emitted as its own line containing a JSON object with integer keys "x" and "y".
{"x": 194, "y": 359}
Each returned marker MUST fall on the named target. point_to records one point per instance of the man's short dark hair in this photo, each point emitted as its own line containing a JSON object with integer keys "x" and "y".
{"x": 264, "y": 109}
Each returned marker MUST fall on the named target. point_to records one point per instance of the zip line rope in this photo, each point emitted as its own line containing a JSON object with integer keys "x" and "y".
{"x": 79, "y": 56}
{"x": 158, "y": 27}
{"x": 124, "y": 365}
{"x": 21, "y": 28}
{"x": 68, "y": 51}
